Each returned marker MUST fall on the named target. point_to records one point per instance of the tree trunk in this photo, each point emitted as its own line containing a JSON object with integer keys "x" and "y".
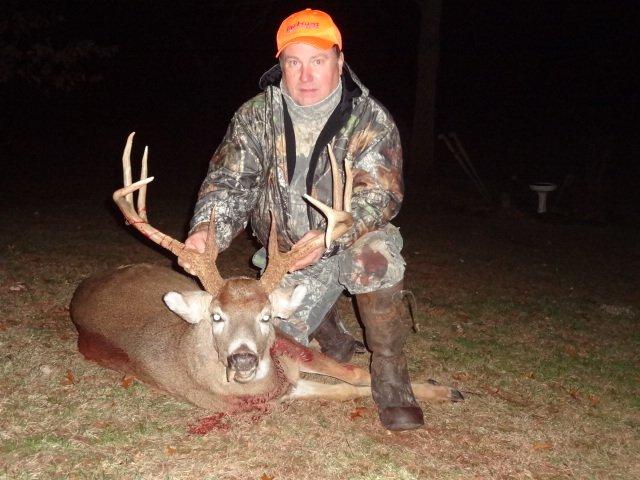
{"x": 421, "y": 153}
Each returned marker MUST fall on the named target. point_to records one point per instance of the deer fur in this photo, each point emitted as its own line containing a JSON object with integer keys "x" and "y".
{"x": 217, "y": 348}
{"x": 124, "y": 324}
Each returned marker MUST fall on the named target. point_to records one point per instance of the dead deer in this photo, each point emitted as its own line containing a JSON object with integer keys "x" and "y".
{"x": 216, "y": 348}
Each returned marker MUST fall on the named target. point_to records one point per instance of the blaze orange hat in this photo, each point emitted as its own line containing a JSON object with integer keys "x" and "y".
{"x": 308, "y": 26}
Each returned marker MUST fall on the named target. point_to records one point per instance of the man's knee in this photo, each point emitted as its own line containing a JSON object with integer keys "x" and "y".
{"x": 373, "y": 262}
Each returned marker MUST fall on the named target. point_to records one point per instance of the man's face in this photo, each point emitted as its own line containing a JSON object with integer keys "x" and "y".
{"x": 309, "y": 73}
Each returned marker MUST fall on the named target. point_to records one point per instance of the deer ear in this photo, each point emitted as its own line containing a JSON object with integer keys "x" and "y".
{"x": 190, "y": 306}
{"x": 285, "y": 301}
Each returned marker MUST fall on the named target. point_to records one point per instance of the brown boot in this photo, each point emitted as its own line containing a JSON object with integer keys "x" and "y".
{"x": 334, "y": 340}
{"x": 386, "y": 329}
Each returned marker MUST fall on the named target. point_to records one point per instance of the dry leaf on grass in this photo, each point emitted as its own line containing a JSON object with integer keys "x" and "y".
{"x": 266, "y": 477}
{"x": 68, "y": 379}
{"x": 127, "y": 381}
{"x": 170, "y": 450}
{"x": 542, "y": 446}
{"x": 358, "y": 412}
{"x": 575, "y": 394}
{"x": 496, "y": 392}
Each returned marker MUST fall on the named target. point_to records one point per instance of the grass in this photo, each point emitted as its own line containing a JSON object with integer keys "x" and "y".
{"x": 543, "y": 341}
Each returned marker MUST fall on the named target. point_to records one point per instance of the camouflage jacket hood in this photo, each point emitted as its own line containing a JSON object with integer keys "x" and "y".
{"x": 250, "y": 171}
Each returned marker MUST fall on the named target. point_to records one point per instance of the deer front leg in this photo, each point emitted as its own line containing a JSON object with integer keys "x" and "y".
{"x": 309, "y": 390}
{"x": 312, "y": 361}
{"x": 358, "y": 377}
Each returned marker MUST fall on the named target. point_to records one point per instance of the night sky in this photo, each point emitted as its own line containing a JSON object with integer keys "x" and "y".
{"x": 536, "y": 90}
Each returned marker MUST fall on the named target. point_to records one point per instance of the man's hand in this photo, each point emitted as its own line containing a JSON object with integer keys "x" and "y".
{"x": 314, "y": 256}
{"x": 196, "y": 241}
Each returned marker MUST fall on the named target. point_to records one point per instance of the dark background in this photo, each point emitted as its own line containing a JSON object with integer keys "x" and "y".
{"x": 536, "y": 90}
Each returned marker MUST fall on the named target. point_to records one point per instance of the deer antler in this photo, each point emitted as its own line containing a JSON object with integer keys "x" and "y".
{"x": 203, "y": 264}
{"x": 339, "y": 220}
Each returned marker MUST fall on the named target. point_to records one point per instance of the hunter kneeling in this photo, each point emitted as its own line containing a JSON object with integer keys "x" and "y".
{"x": 275, "y": 151}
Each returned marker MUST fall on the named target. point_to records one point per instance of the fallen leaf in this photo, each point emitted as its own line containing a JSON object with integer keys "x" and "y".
{"x": 170, "y": 450}
{"x": 127, "y": 381}
{"x": 575, "y": 394}
{"x": 495, "y": 391}
{"x": 18, "y": 287}
{"x": 266, "y": 477}
{"x": 461, "y": 376}
{"x": 542, "y": 445}
{"x": 594, "y": 400}
{"x": 69, "y": 378}
{"x": 531, "y": 375}
{"x": 358, "y": 412}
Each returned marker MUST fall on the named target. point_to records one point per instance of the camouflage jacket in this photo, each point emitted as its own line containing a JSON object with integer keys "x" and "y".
{"x": 250, "y": 171}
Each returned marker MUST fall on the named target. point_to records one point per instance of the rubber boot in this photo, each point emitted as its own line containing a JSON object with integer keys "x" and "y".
{"x": 334, "y": 339}
{"x": 386, "y": 329}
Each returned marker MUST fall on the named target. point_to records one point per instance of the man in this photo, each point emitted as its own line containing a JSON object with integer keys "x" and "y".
{"x": 274, "y": 151}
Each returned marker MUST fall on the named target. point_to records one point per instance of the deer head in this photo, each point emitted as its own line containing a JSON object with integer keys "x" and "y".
{"x": 237, "y": 312}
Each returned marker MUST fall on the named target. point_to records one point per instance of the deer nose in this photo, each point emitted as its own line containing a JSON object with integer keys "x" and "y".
{"x": 242, "y": 361}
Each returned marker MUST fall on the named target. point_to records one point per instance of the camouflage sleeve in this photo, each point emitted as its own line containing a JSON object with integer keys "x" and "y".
{"x": 377, "y": 186}
{"x": 232, "y": 184}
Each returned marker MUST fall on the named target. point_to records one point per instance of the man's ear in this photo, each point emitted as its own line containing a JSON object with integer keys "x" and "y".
{"x": 285, "y": 301}
{"x": 340, "y": 61}
{"x": 190, "y": 306}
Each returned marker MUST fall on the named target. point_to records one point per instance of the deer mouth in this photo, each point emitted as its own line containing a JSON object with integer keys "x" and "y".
{"x": 240, "y": 376}
{"x": 241, "y": 367}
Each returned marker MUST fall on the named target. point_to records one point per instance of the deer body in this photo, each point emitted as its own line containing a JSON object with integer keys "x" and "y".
{"x": 157, "y": 346}
{"x": 216, "y": 348}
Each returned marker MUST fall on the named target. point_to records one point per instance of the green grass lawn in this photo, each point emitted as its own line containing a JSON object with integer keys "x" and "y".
{"x": 536, "y": 322}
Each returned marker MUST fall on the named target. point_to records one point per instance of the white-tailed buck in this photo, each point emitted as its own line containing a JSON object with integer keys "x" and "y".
{"x": 216, "y": 348}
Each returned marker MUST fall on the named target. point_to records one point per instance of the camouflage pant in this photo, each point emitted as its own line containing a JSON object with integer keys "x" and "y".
{"x": 372, "y": 263}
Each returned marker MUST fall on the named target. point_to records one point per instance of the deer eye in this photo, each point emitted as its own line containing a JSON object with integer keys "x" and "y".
{"x": 265, "y": 318}
{"x": 216, "y": 317}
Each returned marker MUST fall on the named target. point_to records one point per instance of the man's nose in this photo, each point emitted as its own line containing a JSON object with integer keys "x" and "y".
{"x": 306, "y": 74}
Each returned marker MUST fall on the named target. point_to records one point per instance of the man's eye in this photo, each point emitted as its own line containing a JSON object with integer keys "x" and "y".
{"x": 265, "y": 318}
{"x": 216, "y": 317}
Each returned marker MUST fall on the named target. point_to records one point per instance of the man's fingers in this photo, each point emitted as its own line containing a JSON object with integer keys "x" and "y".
{"x": 310, "y": 259}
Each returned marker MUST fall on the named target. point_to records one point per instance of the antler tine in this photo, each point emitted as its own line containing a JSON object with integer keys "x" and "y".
{"x": 337, "y": 184}
{"x": 133, "y": 218}
{"x": 203, "y": 264}
{"x": 278, "y": 264}
{"x": 338, "y": 222}
{"x": 126, "y": 165}
{"x": 348, "y": 184}
{"x": 142, "y": 194}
